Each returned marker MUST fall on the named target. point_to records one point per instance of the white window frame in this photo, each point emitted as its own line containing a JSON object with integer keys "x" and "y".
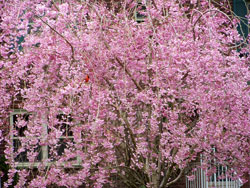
{"x": 248, "y": 12}
{"x": 44, "y": 149}
{"x": 135, "y": 12}
{"x": 12, "y": 137}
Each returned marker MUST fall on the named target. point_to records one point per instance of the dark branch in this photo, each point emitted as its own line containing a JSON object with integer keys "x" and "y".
{"x": 72, "y": 48}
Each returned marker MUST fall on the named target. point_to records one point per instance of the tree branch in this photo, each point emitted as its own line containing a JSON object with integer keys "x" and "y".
{"x": 202, "y": 14}
{"x": 166, "y": 176}
{"x": 72, "y": 48}
{"x": 176, "y": 179}
{"x": 128, "y": 73}
{"x": 127, "y": 125}
{"x": 123, "y": 66}
{"x": 135, "y": 174}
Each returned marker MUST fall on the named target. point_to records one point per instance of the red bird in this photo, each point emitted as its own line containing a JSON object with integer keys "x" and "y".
{"x": 86, "y": 78}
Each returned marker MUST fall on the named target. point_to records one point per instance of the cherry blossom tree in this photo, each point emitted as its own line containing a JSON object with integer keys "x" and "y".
{"x": 109, "y": 100}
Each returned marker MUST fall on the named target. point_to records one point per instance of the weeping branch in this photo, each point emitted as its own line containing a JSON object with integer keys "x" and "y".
{"x": 129, "y": 74}
{"x": 72, "y": 48}
{"x": 202, "y": 14}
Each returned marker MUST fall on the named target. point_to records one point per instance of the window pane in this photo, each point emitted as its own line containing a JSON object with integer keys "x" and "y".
{"x": 65, "y": 124}
{"x": 20, "y": 124}
{"x": 21, "y": 154}
{"x": 140, "y": 14}
{"x": 59, "y": 150}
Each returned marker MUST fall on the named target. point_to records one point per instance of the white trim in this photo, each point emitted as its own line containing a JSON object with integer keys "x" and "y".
{"x": 44, "y": 149}
{"x": 135, "y": 12}
{"x": 202, "y": 181}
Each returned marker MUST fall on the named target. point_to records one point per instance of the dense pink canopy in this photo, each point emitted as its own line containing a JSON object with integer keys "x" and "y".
{"x": 161, "y": 93}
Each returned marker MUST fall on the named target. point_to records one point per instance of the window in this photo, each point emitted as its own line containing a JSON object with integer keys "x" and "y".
{"x": 241, "y": 9}
{"x": 140, "y": 12}
{"x": 66, "y": 140}
{"x": 29, "y": 152}
{"x": 26, "y": 140}
{"x": 248, "y": 13}
{"x": 248, "y": 6}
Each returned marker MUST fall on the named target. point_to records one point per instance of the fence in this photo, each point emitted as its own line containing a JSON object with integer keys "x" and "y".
{"x": 219, "y": 179}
